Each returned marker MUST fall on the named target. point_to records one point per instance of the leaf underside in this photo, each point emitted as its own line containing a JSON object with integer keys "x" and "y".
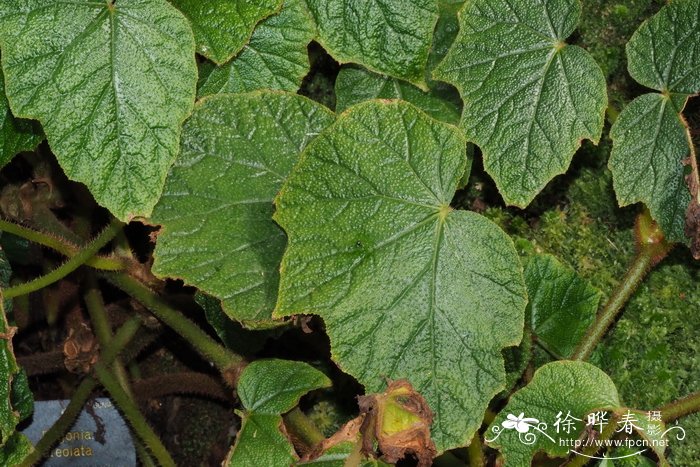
{"x": 529, "y": 99}
{"x": 216, "y": 209}
{"x": 374, "y": 249}
{"x": 111, "y": 86}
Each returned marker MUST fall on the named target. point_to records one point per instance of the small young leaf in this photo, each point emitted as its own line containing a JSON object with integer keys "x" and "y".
{"x": 376, "y": 251}
{"x": 561, "y": 305}
{"x": 386, "y": 36}
{"x": 261, "y": 443}
{"x": 275, "y": 386}
{"x": 216, "y": 209}
{"x": 530, "y": 99}
{"x": 15, "y": 135}
{"x": 650, "y": 138}
{"x": 111, "y": 84}
{"x": 355, "y": 84}
{"x": 557, "y": 389}
{"x": 222, "y": 27}
{"x": 275, "y": 58}
{"x": 268, "y": 388}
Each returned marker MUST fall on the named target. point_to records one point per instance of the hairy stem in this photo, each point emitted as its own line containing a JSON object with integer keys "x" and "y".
{"x": 301, "y": 428}
{"x": 42, "y": 363}
{"x": 476, "y": 452}
{"x": 61, "y": 245}
{"x": 69, "y": 266}
{"x": 81, "y": 395}
{"x": 133, "y": 414}
{"x": 681, "y": 407}
{"x": 221, "y": 357}
{"x": 102, "y": 327}
{"x": 651, "y": 248}
{"x": 181, "y": 383}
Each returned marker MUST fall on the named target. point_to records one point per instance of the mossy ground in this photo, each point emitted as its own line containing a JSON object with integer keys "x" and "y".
{"x": 652, "y": 352}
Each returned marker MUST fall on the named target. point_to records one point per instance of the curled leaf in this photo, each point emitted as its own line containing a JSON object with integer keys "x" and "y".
{"x": 399, "y": 420}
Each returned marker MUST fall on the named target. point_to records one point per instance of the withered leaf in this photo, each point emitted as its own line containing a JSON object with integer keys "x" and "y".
{"x": 399, "y": 421}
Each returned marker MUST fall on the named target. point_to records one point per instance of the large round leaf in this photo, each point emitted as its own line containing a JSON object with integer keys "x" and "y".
{"x": 529, "y": 98}
{"x": 408, "y": 288}
{"x": 216, "y": 209}
{"x": 111, "y": 84}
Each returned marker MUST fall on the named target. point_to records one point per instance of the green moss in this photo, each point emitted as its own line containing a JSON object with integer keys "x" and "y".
{"x": 687, "y": 452}
{"x": 588, "y": 231}
{"x": 606, "y": 26}
{"x": 652, "y": 352}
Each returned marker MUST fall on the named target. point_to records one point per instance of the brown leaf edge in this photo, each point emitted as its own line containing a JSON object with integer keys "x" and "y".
{"x": 390, "y": 439}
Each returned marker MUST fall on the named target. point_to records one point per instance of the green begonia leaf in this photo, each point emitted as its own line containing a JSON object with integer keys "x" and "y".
{"x": 111, "y": 85}
{"x": 15, "y": 450}
{"x": 22, "y": 397}
{"x": 529, "y": 98}
{"x": 268, "y": 388}
{"x": 13, "y": 403}
{"x": 338, "y": 455}
{"x": 650, "y": 137}
{"x": 216, "y": 209}
{"x": 275, "y": 386}
{"x": 391, "y": 37}
{"x": 445, "y": 32}
{"x": 275, "y": 58}
{"x": 375, "y": 249}
{"x": 649, "y": 145}
{"x": 663, "y": 53}
{"x": 222, "y": 27}
{"x": 261, "y": 443}
{"x": 561, "y": 305}
{"x": 15, "y": 135}
{"x": 355, "y": 85}
{"x": 558, "y": 390}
